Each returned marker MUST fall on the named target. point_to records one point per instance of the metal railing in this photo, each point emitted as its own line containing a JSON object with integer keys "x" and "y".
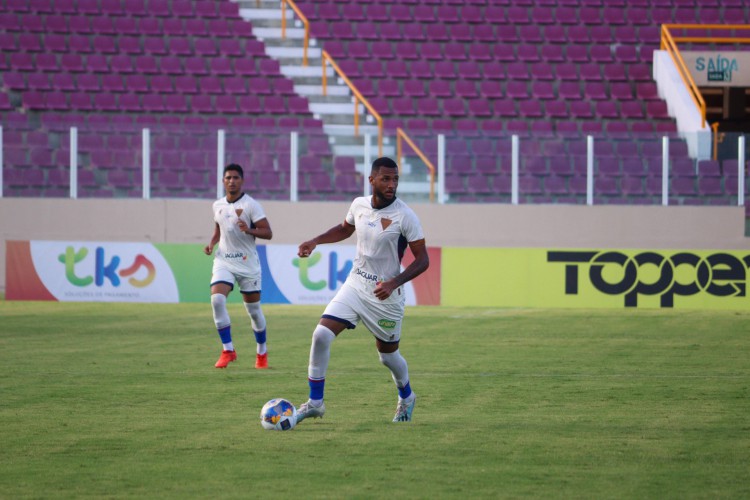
{"x": 402, "y": 136}
{"x": 305, "y": 22}
{"x": 669, "y": 43}
{"x": 358, "y": 97}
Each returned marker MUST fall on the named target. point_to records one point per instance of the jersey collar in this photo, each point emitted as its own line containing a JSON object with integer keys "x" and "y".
{"x": 242, "y": 195}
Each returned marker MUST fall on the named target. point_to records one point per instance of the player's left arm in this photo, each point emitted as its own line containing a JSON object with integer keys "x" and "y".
{"x": 260, "y": 229}
{"x": 420, "y": 264}
{"x": 209, "y": 249}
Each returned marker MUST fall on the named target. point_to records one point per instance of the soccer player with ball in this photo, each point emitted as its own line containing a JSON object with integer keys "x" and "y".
{"x": 372, "y": 293}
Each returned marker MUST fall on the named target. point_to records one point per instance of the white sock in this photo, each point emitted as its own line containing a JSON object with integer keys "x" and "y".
{"x": 219, "y": 306}
{"x": 320, "y": 352}
{"x": 221, "y": 317}
{"x": 257, "y": 319}
{"x": 258, "y": 322}
{"x": 397, "y": 364}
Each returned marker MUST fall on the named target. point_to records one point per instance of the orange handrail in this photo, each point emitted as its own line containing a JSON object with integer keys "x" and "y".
{"x": 668, "y": 44}
{"x": 400, "y": 134}
{"x": 358, "y": 97}
{"x": 302, "y": 18}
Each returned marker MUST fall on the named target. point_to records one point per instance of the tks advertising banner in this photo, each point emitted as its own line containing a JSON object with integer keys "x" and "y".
{"x": 144, "y": 272}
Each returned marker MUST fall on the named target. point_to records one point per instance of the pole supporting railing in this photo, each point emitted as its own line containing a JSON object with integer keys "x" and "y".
{"x": 715, "y": 127}
{"x": 358, "y": 97}
{"x": 401, "y": 135}
{"x": 305, "y": 22}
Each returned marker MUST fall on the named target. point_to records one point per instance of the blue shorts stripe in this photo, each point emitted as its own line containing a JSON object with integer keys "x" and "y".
{"x": 349, "y": 325}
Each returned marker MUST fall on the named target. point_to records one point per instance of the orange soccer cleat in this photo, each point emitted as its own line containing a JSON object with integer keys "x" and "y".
{"x": 261, "y": 361}
{"x": 225, "y": 358}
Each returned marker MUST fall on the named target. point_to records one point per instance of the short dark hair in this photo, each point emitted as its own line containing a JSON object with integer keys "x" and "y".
{"x": 383, "y": 161}
{"x": 235, "y": 167}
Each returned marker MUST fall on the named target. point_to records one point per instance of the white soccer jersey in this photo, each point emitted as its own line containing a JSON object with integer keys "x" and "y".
{"x": 236, "y": 250}
{"x": 382, "y": 237}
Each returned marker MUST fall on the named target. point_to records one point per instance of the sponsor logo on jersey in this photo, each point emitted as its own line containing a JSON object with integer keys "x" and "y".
{"x": 388, "y": 324}
{"x": 366, "y": 275}
{"x": 235, "y": 255}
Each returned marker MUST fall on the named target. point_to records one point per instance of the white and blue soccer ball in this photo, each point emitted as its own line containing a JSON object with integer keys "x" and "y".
{"x": 278, "y": 415}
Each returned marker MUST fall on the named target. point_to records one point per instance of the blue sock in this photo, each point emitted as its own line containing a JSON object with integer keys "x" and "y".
{"x": 260, "y": 337}
{"x": 405, "y": 391}
{"x": 316, "y": 388}
{"x": 225, "y": 334}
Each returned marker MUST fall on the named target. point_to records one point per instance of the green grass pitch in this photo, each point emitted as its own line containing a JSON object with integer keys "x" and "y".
{"x": 123, "y": 401}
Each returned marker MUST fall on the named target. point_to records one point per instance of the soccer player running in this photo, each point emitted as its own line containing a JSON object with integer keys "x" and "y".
{"x": 372, "y": 293}
{"x": 239, "y": 221}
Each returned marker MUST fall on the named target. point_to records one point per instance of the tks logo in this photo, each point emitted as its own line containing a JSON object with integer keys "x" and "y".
{"x": 719, "y": 274}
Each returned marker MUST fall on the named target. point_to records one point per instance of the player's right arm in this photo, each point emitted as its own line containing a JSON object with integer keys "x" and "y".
{"x": 337, "y": 233}
{"x": 209, "y": 249}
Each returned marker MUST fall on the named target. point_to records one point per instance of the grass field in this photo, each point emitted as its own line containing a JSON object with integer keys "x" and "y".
{"x": 122, "y": 400}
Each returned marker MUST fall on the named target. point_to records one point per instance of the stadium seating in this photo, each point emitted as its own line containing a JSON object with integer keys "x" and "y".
{"x": 111, "y": 68}
{"x": 551, "y": 72}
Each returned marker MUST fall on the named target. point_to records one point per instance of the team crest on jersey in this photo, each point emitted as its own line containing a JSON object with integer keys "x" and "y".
{"x": 385, "y": 223}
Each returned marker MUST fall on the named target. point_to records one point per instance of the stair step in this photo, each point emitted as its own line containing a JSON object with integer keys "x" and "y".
{"x": 358, "y": 151}
{"x": 348, "y": 130}
{"x": 270, "y": 14}
{"x": 317, "y": 90}
{"x": 309, "y": 71}
{"x": 275, "y": 33}
{"x": 324, "y": 108}
{"x": 294, "y": 52}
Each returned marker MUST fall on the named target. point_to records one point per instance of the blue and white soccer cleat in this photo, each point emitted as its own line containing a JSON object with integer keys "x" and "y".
{"x": 404, "y": 410}
{"x": 306, "y": 410}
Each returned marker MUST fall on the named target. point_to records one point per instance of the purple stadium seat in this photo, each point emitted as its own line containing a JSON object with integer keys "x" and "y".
{"x": 482, "y": 52}
{"x": 530, "y": 109}
{"x": 454, "y": 107}
{"x": 517, "y": 90}
{"x": 570, "y": 91}
{"x": 469, "y": 70}
{"x": 437, "y": 33}
{"x": 552, "y": 53}
{"x": 518, "y": 71}
{"x": 428, "y": 106}
{"x": 490, "y": 89}
{"x": 542, "y": 71}
{"x": 505, "y": 108}
{"x": 542, "y": 90}
{"x": 445, "y": 69}
{"x": 567, "y": 71}
{"x": 631, "y": 110}
{"x": 556, "y": 109}
{"x": 466, "y": 89}
{"x": 72, "y": 63}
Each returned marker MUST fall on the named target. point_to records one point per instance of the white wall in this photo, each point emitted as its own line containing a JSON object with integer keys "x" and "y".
{"x": 466, "y": 225}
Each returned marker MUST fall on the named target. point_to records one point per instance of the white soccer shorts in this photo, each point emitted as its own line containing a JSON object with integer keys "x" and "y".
{"x": 383, "y": 319}
{"x": 248, "y": 284}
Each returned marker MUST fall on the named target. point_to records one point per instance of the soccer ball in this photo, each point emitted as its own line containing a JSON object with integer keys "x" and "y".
{"x": 278, "y": 415}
